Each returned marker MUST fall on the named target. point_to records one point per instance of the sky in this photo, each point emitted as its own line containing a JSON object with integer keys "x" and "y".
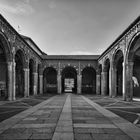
{"x": 71, "y": 27}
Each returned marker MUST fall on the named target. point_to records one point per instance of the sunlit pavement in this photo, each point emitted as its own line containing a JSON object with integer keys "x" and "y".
{"x": 11, "y": 108}
{"x": 128, "y": 110}
{"x": 68, "y": 117}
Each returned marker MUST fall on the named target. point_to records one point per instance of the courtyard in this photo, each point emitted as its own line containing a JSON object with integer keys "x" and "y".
{"x": 73, "y": 117}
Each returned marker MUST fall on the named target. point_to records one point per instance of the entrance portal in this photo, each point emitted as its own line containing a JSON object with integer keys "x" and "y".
{"x": 89, "y": 80}
{"x": 69, "y": 80}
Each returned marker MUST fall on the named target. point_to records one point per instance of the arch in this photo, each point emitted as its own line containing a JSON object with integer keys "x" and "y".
{"x": 69, "y": 79}
{"x": 133, "y": 46}
{"x": 118, "y": 65}
{"x": 89, "y": 80}
{"x": 5, "y": 56}
{"x": 50, "y": 80}
{"x": 133, "y": 57}
{"x": 31, "y": 70}
{"x": 6, "y": 47}
{"x": 19, "y": 60}
{"x": 23, "y": 57}
{"x": 107, "y": 70}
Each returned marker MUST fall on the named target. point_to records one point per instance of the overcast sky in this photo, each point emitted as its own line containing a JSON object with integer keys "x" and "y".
{"x": 71, "y": 26}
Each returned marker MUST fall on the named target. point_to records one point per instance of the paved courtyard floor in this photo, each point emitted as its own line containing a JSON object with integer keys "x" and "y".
{"x": 68, "y": 117}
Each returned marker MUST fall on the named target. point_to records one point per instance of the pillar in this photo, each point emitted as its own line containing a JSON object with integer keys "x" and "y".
{"x": 112, "y": 82}
{"x": 14, "y": 80}
{"x": 124, "y": 81}
{"x": 79, "y": 83}
{"x": 35, "y": 81}
{"x": 104, "y": 81}
{"x": 59, "y": 79}
{"x": 9, "y": 81}
{"x": 40, "y": 84}
{"x": 59, "y": 84}
{"x": 98, "y": 83}
{"x": 40, "y": 80}
{"x": 127, "y": 81}
{"x": 26, "y": 82}
{"x": 79, "y": 80}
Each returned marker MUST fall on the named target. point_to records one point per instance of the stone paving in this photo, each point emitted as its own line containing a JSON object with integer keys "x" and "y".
{"x": 68, "y": 117}
{"x": 40, "y": 124}
{"x": 89, "y": 124}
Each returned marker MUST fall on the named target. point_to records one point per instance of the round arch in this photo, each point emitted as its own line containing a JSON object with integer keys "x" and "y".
{"x": 6, "y": 47}
{"x": 133, "y": 57}
{"x": 69, "y": 79}
{"x": 50, "y": 80}
{"x": 118, "y": 59}
{"x": 133, "y": 46}
{"x": 89, "y": 80}
{"x": 5, "y": 56}
{"x": 19, "y": 60}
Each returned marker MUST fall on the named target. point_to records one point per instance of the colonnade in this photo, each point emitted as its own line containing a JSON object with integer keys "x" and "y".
{"x": 127, "y": 82}
{"x": 11, "y": 81}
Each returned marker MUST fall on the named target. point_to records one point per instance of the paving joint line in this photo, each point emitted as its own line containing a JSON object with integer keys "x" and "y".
{"x": 128, "y": 128}
{"x": 10, "y": 122}
{"x": 64, "y": 127}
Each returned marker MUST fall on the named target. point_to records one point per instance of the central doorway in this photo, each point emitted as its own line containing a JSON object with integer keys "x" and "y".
{"x": 69, "y": 80}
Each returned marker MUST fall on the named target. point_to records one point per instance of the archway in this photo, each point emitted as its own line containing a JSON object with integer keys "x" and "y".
{"x": 118, "y": 63}
{"x": 3, "y": 75}
{"x": 89, "y": 80}
{"x": 107, "y": 70}
{"x": 69, "y": 80}
{"x": 19, "y": 60}
{"x": 50, "y": 80}
{"x": 134, "y": 58}
{"x": 31, "y": 69}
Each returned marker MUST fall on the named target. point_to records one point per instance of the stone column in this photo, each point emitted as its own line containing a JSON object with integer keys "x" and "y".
{"x": 59, "y": 84}
{"x": 9, "y": 81}
{"x": 14, "y": 80}
{"x": 79, "y": 80}
{"x": 40, "y": 80}
{"x": 79, "y": 83}
{"x": 112, "y": 83}
{"x": 40, "y": 84}
{"x": 104, "y": 81}
{"x": 124, "y": 81}
{"x": 35, "y": 81}
{"x": 59, "y": 79}
{"x": 26, "y": 82}
{"x": 127, "y": 81}
{"x": 98, "y": 83}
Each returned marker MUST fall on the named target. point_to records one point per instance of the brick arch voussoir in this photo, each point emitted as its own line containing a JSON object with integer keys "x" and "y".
{"x": 6, "y": 46}
{"x": 127, "y": 57}
{"x": 24, "y": 57}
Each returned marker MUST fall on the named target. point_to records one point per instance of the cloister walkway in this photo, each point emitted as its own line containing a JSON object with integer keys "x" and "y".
{"x": 68, "y": 117}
